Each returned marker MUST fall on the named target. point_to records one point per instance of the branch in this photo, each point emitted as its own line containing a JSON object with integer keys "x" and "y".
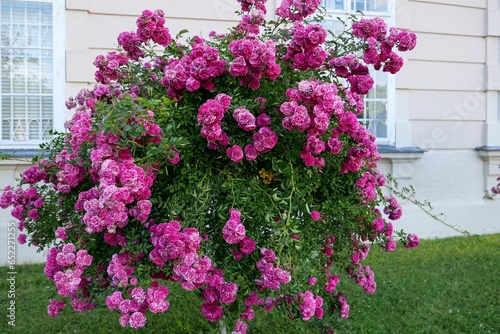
{"x": 408, "y": 194}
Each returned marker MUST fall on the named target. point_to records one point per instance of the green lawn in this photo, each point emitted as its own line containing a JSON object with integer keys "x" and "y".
{"x": 444, "y": 286}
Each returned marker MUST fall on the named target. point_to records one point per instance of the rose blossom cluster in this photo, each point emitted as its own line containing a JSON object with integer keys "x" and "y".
{"x": 380, "y": 44}
{"x": 131, "y": 43}
{"x": 80, "y": 128}
{"x": 367, "y": 185}
{"x": 234, "y": 232}
{"x": 246, "y": 247}
{"x": 107, "y": 66}
{"x": 364, "y": 277}
{"x": 356, "y": 73}
{"x": 412, "y": 241}
{"x": 360, "y": 253}
{"x": 181, "y": 247}
{"x": 121, "y": 184}
{"x": 84, "y": 102}
{"x": 65, "y": 266}
{"x": 353, "y": 101}
{"x": 296, "y": 116}
{"x": 246, "y": 120}
{"x": 253, "y": 60}
{"x": 133, "y": 310}
{"x": 331, "y": 283}
{"x": 331, "y": 280}
{"x": 328, "y": 246}
{"x": 123, "y": 187}
{"x": 190, "y": 269}
{"x": 495, "y": 190}
{"x": 272, "y": 277}
{"x": 210, "y": 115}
{"x": 252, "y": 21}
{"x": 69, "y": 175}
{"x": 365, "y": 152}
{"x": 310, "y": 305}
{"x": 304, "y": 49}
{"x": 389, "y": 244}
{"x": 170, "y": 243}
{"x": 297, "y": 10}
{"x": 344, "y": 307}
{"x": 26, "y": 202}
{"x": 55, "y": 307}
{"x": 240, "y": 327}
{"x": 151, "y": 26}
{"x": 217, "y": 292}
{"x": 378, "y": 223}
{"x": 254, "y": 16}
{"x": 393, "y": 208}
{"x": 310, "y": 108}
{"x": 121, "y": 268}
{"x": 246, "y": 5}
{"x": 264, "y": 141}
{"x": 196, "y": 70}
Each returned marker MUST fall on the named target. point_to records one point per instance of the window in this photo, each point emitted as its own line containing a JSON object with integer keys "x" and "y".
{"x": 32, "y": 71}
{"x": 379, "y": 6}
{"x": 379, "y": 103}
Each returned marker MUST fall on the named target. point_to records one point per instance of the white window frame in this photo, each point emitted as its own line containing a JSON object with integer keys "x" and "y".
{"x": 58, "y": 74}
{"x": 389, "y": 18}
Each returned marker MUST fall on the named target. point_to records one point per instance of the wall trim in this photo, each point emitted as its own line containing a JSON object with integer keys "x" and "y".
{"x": 491, "y": 166}
{"x": 402, "y": 159}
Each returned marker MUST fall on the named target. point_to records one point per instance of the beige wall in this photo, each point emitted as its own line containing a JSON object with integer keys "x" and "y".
{"x": 448, "y": 104}
{"x": 447, "y": 74}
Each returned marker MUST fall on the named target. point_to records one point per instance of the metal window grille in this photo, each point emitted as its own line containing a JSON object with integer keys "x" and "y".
{"x": 26, "y": 88}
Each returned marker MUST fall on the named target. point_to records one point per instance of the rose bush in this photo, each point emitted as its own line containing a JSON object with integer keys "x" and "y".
{"x": 234, "y": 166}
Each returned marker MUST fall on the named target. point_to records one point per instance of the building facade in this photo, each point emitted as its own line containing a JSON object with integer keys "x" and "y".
{"x": 437, "y": 122}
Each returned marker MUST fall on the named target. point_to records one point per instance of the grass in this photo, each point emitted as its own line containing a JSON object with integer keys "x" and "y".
{"x": 444, "y": 286}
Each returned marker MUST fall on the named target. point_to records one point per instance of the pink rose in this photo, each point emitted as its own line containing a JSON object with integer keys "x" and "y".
{"x": 235, "y": 153}
{"x": 315, "y": 215}
{"x": 233, "y": 232}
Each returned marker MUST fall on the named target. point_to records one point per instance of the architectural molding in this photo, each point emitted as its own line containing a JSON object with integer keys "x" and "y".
{"x": 402, "y": 159}
{"x": 491, "y": 166}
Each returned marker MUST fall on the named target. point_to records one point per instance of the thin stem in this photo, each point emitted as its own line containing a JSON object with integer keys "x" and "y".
{"x": 222, "y": 327}
{"x": 408, "y": 193}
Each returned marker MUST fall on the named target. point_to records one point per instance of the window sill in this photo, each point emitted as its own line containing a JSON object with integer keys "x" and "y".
{"x": 402, "y": 159}
{"x": 18, "y": 156}
{"x": 21, "y": 153}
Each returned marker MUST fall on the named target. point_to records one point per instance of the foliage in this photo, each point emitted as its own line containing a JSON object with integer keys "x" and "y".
{"x": 234, "y": 166}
